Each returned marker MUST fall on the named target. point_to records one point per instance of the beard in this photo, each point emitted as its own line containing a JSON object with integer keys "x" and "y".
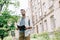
{"x": 23, "y": 14}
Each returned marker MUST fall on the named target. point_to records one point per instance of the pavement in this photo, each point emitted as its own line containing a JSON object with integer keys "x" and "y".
{"x": 10, "y": 38}
{"x": 31, "y": 38}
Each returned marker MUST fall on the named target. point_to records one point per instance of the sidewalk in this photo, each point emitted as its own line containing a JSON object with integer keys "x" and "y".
{"x": 10, "y": 38}
{"x": 32, "y": 37}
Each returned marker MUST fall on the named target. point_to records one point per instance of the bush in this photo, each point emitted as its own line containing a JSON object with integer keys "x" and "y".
{"x": 57, "y": 35}
{"x": 34, "y": 36}
{"x": 44, "y": 36}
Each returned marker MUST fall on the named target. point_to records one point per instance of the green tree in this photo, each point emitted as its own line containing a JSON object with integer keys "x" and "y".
{"x": 6, "y": 18}
{"x": 7, "y": 2}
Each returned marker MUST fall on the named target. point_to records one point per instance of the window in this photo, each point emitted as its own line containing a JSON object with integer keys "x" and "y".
{"x": 38, "y": 0}
{"x": 51, "y": 3}
{"x": 59, "y": 4}
{"x": 41, "y": 27}
{"x": 39, "y": 3}
{"x": 44, "y": 8}
{"x": 45, "y": 25}
{"x": 37, "y": 28}
{"x": 32, "y": 19}
{"x": 40, "y": 13}
{"x": 44, "y": 3}
{"x": 52, "y": 22}
{"x": 36, "y": 18}
{"x": 51, "y": 7}
{"x": 35, "y": 7}
{"x": 33, "y": 22}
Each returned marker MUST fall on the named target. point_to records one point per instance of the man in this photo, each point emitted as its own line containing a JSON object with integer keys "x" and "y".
{"x": 23, "y": 25}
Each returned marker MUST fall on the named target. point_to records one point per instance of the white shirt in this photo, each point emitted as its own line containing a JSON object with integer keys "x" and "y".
{"x": 28, "y": 31}
{"x": 21, "y": 23}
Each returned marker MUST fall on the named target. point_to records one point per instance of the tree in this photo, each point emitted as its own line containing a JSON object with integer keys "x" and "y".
{"x": 5, "y": 18}
{"x": 7, "y": 2}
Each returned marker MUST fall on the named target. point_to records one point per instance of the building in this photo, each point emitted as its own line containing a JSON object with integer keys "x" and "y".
{"x": 45, "y": 15}
{"x": 35, "y": 14}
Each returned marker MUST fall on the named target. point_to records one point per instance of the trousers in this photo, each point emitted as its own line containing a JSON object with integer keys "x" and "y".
{"x": 22, "y": 36}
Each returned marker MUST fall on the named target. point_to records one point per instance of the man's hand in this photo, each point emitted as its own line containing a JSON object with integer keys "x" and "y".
{"x": 18, "y": 27}
{"x": 29, "y": 28}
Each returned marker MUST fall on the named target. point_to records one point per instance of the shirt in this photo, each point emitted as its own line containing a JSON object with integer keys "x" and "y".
{"x": 22, "y": 22}
{"x": 25, "y": 21}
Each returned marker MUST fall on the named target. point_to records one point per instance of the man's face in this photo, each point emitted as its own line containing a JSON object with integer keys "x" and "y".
{"x": 23, "y": 12}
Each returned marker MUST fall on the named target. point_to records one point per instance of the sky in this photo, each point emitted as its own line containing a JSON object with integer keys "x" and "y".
{"x": 23, "y": 5}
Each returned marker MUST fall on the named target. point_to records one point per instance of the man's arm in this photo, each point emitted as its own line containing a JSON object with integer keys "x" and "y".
{"x": 28, "y": 28}
{"x": 29, "y": 25}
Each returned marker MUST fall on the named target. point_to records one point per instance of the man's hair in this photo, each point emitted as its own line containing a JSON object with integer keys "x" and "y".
{"x": 22, "y": 9}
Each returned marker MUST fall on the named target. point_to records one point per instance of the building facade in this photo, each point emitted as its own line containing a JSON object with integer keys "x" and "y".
{"x": 45, "y": 15}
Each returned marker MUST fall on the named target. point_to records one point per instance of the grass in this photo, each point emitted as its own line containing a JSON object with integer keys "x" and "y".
{"x": 8, "y": 38}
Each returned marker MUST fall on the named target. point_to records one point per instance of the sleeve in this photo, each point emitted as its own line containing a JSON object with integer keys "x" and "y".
{"x": 29, "y": 22}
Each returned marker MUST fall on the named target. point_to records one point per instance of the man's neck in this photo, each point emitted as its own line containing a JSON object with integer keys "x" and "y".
{"x": 23, "y": 16}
